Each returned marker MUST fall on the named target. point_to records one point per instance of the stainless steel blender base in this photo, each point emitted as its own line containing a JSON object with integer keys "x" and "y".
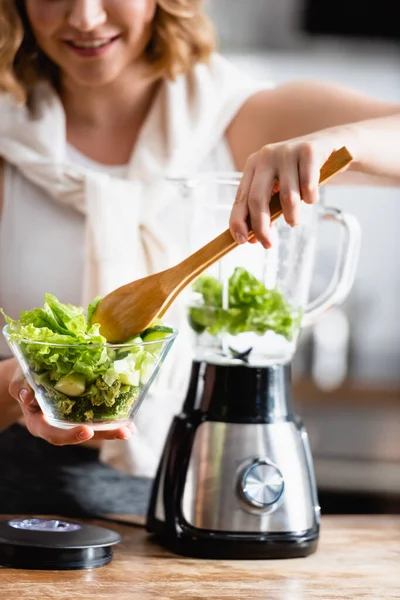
{"x": 249, "y": 478}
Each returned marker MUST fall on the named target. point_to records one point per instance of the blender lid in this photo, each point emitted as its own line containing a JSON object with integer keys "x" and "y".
{"x": 48, "y": 544}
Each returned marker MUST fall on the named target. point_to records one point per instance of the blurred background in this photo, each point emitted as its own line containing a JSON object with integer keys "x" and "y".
{"x": 347, "y": 369}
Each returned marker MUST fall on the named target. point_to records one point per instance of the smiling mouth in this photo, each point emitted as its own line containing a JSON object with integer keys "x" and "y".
{"x": 90, "y": 44}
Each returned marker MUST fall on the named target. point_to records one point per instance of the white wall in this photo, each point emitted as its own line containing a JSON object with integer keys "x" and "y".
{"x": 257, "y": 23}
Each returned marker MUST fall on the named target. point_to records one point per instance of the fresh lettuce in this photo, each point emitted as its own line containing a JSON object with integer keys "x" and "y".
{"x": 252, "y": 307}
{"x": 82, "y": 377}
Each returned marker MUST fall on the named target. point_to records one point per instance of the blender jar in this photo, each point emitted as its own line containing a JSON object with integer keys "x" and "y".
{"x": 250, "y": 306}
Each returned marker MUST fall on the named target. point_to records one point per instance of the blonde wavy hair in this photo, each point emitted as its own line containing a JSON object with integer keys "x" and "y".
{"x": 182, "y": 36}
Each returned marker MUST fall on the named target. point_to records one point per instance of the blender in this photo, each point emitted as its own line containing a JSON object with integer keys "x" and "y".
{"x": 236, "y": 476}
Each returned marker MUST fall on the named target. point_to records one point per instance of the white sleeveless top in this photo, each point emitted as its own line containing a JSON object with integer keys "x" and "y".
{"x": 44, "y": 238}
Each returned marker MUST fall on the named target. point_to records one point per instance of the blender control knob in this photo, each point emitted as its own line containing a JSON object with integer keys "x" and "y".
{"x": 261, "y": 484}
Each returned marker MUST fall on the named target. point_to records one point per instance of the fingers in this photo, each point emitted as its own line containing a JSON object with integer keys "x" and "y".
{"x": 309, "y": 172}
{"x": 37, "y": 425}
{"x": 294, "y": 168}
{"x": 123, "y": 433}
{"x": 258, "y": 201}
{"x": 289, "y": 189}
{"x": 20, "y": 389}
{"x": 240, "y": 209}
{"x": 36, "y": 422}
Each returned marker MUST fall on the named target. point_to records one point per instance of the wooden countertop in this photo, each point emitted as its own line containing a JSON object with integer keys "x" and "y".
{"x": 358, "y": 557}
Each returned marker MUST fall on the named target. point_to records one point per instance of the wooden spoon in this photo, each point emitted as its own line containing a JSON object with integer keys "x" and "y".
{"x": 130, "y": 309}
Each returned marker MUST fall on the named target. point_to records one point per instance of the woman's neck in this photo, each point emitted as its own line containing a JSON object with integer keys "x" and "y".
{"x": 104, "y": 123}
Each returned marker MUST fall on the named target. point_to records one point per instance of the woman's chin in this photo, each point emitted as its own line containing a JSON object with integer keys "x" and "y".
{"x": 90, "y": 79}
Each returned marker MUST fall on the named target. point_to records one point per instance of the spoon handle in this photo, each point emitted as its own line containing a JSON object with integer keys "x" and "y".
{"x": 218, "y": 247}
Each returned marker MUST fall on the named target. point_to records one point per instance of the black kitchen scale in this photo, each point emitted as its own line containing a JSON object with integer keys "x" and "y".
{"x": 54, "y": 544}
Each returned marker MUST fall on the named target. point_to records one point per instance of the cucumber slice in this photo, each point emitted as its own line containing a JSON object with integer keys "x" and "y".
{"x": 130, "y": 378}
{"x": 157, "y": 332}
{"x": 134, "y": 340}
{"x": 126, "y": 370}
{"x": 71, "y": 385}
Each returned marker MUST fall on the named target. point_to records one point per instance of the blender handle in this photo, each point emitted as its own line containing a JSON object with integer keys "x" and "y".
{"x": 345, "y": 268}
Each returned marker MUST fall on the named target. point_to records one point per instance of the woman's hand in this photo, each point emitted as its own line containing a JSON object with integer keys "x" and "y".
{"x": 293, "y": 168}
{"x": 38, "y": 426}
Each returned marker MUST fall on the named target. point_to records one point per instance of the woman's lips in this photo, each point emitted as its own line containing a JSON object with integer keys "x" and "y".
{"x": 90, "y": 48}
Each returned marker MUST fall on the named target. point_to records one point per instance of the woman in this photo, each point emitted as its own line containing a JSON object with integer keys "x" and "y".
{"x": 113, "y": 96}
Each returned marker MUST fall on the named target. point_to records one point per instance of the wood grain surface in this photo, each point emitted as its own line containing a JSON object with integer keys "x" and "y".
{"x": 358, "y": 558}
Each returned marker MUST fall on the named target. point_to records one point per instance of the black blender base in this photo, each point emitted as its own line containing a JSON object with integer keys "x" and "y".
{"x": 249, "y": 550}
{"x": 237, "y": 546}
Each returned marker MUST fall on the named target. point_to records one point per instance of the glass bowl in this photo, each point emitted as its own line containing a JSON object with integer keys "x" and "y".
{"x": 100, "y": 385}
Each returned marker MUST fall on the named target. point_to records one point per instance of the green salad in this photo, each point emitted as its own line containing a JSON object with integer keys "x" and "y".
{"x": 84, "y": 379}
{"x": 252, "y": 307}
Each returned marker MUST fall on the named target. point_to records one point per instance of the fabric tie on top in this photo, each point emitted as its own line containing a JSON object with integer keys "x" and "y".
{"x": 128, "y": 222}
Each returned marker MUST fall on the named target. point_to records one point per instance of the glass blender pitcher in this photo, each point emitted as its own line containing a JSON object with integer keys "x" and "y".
{"x": 236, "y": 477}
{"x": 249, "y": 307}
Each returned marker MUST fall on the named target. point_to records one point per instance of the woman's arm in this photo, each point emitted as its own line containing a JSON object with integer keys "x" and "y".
{"x": 10, "y": 410}
{"x": 286, "y": 134}
{"x": 369, "y": 127}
